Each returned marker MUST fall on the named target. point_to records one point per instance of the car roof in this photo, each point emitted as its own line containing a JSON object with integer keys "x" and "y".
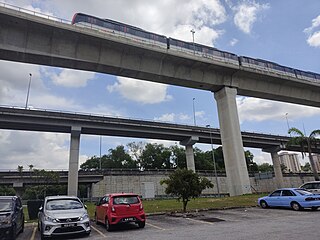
{"x": 287, "y": 189}
{"x": 8, "y": 197}
{"x": 60, "y": 197}
{"x": 311, "y": 182}
{"x": 121, "y": 194}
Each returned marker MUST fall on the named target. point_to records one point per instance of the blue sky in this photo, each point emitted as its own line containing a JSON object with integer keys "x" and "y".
{"x": 286, "y": 32}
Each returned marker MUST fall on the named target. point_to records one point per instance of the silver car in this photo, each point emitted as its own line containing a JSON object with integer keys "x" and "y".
{"x": 61, "y": 215}
{"x": 313, "y": 186}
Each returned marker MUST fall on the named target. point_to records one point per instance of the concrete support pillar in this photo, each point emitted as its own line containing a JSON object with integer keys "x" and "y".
{"x": 74, "y": 161}
{"x": 190, "y": 158}
{"x": 188, "y": 143}
{"x": 277, "y": 169}
{"x": 233, "y": 152}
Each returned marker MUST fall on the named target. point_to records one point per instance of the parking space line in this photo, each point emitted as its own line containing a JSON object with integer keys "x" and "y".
{"x": 199, "y": 221}
{"x": 98, "y": 231}
{"x": 33, "y": 233}
{"x": 155, "y": 226}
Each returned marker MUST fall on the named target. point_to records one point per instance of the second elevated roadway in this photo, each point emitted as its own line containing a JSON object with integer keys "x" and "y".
{"x": 62, "y": 122}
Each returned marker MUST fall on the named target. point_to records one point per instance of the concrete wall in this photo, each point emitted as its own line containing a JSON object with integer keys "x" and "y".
{"x": 136, "y": 182}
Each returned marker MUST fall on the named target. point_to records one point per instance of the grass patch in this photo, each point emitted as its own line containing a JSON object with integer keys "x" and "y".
{"x": 172, "y": 205}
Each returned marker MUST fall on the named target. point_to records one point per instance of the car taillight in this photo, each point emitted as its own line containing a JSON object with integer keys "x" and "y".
{"x": 141, "y": 207}
{"x": 113, "y": 209}
{"x": 310, "y": 199}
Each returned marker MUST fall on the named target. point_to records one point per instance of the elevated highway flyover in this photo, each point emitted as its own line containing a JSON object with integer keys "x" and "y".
{"x": 30, "y": 37}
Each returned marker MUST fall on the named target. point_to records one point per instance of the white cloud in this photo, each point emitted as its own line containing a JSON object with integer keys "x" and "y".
{"x": 255, "y": 109}
{"x": 175, "y": 117}
{"x": 166, "y": 17}
{"x": 17, "y": 149}
{"x": 140, "y": 91}
{"x": 71, "y": 78}
{"x": 168, "y": 117}
{"x": 313, "y": 36}
{"x": 314, "y": 39}
{"x": 233, "y": 42}
{"x": 246, "y": 15}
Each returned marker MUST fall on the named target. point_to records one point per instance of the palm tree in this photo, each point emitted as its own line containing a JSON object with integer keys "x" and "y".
{"x": 305, "y": 142}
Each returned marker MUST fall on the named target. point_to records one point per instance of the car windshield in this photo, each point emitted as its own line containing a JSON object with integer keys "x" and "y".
{"x": 303, "y": 192}
{"x": 5, "y": 205}
{"x": 63, "y": 204}
{"x": 125, "y": 200}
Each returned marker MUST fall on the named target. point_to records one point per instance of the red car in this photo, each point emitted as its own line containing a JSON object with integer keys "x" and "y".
{"x": 118, "y": 208}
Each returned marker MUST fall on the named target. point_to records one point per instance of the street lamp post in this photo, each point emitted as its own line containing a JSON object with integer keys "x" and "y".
{"x": 214, "y": 163}
{"x": 194, "y": 49}
{"x": 194, "y": 112}
{"x": 288, "y": 122}
{"x": 28, "y": 91}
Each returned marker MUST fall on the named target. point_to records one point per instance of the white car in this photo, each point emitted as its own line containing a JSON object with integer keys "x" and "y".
{"x": 313, "y": 187}
{"x": 62, "y": 215}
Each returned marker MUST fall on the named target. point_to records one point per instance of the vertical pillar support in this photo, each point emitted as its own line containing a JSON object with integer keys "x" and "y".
{"x": 233, "y": 152}
{"x": 190, "y": 158}
{"x": 188, "y": 143}
{"x": 277, "y": 169}
{"x": 276, "y": 165}
{"x": 74, "y": 161}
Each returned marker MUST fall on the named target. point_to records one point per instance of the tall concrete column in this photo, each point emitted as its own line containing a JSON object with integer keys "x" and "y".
{"x": 233, "y": 152}
{"x": 276, "y": 166}
{"x": 188, "y": 143}
{"x": 277, "y": 169}
{"x": 74, "y": 161}
{"x": 190, "y": 158}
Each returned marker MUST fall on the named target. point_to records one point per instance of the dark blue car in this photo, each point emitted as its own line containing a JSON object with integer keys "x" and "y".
{"x": 295, "y": 198}
{"x": 11, "y": 217}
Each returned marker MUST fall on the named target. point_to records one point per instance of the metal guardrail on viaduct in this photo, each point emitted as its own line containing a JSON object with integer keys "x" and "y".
{"x": 56, "y": 121}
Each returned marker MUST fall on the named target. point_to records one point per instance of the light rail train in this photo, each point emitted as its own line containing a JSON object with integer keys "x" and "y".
{"x": 138, "y": 34}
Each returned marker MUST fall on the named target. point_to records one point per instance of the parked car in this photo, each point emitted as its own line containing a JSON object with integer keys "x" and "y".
{"x": 62, "y": 215}
{"x": 11, "y": 217}
{"x": 120, "y": 208}
{"x": 313, "y": 187}
{"x": 295, "y": 198}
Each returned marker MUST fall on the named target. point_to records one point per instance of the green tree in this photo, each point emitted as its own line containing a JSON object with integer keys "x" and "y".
{"x": 185, "y": 184}
{"x": 20, "y": 169}
{"x": 203, "y": 160}
{"x": 156, "y": 156}
{"x": 305, "y": 142}
{"x": 265, "y": 167}
{"x": 178, "y": 157}
{"x": 120, "y": 158}
{"x": 251, "y": 165}
{"x": 91, "y": 163}
{"x": 306, "y": 167}
{"x": 7, "y": 191}
{"x": 135, "y": 151}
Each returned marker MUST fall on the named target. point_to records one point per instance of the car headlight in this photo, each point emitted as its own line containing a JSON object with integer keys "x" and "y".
{"x": 50, "y": 219}
{"x": 84, "y": 217}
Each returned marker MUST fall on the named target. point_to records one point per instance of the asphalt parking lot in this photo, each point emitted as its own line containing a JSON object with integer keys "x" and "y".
{"x": 242, "y": 223}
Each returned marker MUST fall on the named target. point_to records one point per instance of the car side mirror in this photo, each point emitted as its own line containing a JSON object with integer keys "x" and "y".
{"x": 40, "y": 209}
{"x": 85, "y": 206}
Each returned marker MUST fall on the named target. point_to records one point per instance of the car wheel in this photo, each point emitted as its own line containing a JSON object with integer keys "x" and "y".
{"x": 141, "y": 224}
{"x": 108, "y": 225}
{"x": 22, "y": 226}
{"x": 14, "y": 232}
{"x": 295, "y": 206}
{"x": 264, "y": 204}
